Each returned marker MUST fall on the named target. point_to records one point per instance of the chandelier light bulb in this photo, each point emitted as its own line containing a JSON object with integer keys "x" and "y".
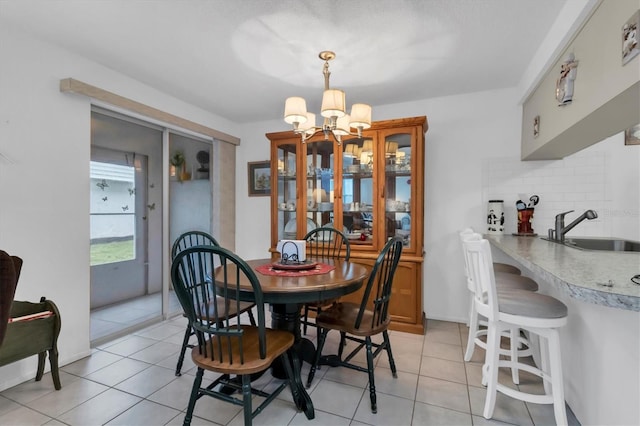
{"x": 333, "y": 101}
{"x": 360, "y": 116}
{"x": 309, "y": 125}
{"x": 295, "y": 110}
{"x": 342, "y": 125}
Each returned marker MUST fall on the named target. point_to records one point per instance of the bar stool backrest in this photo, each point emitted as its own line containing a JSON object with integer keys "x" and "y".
{"x": 479, "y": 262}
{"x": 464, "y": 234}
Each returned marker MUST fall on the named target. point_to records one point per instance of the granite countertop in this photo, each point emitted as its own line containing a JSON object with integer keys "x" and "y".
{"x": 579, "y": 273}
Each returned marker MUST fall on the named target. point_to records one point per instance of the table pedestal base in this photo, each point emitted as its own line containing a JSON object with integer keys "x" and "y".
{"x": 287, "y": 317}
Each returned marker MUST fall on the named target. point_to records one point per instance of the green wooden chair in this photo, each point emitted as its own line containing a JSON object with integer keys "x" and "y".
{"x": 224, "y": 345}
{"x": 357, "y": 323}
{"x": 192, "y": 239}
{"x": 324, "y": 243}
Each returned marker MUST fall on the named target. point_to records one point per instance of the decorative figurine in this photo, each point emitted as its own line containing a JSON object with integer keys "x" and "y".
{"x": 564, "y": 84}
{"x": 495, "y": 217}
{"x": 525, "y": 216}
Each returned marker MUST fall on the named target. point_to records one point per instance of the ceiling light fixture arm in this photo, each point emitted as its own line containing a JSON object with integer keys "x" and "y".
{"x": 328, "y": 129}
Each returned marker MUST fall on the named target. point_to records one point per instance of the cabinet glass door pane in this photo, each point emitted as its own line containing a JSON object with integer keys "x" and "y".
{"x": 398, "y": 186}
{"x": 320, "y": 184}
{"x": 358, "y": 214}
{"x": 286, "y": 195}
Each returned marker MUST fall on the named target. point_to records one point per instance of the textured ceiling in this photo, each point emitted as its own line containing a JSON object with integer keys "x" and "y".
{"x": 241, "y": 58}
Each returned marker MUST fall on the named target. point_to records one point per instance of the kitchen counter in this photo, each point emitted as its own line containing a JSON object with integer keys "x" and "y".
{"x": 579, "y": 273}
{"x": 601, "y": 340}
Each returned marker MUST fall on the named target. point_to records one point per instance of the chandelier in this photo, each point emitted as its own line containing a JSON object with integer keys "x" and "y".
{"x": 336, "y": 121}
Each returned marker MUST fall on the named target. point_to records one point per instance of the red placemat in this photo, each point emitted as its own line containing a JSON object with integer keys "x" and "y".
{"x": 321, "y": 268}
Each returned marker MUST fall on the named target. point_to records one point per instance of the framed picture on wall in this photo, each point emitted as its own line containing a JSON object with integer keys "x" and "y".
{"x": 631, "y": 38}
{"x": 632, "y": 135}
{"x": 259, "y": 178}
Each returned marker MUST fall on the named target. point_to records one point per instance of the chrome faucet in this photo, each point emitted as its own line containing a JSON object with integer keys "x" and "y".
{"x": 560, "y": 231}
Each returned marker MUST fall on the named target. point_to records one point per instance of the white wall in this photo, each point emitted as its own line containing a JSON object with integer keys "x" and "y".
{"x": 253, "y": 214}
{"x": 44, "y": 197}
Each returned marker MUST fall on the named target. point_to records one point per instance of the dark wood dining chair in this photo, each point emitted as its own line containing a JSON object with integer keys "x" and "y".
{"x": 358, "y": 323}
{"x": 192, "y": 239}
{"x": 224, "y": 345}
{"x": 324, "y": 243}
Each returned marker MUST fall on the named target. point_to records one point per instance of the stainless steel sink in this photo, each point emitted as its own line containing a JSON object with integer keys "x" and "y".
{"x": 602, "y": 244}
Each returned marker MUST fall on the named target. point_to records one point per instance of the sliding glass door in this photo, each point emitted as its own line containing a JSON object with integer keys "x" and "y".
{"x": 126, "y": 224}
{"x": 129, "y": 260}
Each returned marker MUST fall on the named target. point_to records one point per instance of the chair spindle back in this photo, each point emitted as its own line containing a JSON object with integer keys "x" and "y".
{"x": 208, "y": 300}
{"x": 379, "y": 284}
{"x": 191, "y": 239}
{"x": 327, "y": 243}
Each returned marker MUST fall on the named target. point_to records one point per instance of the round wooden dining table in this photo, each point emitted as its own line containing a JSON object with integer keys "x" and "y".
{"x": 286, "y": 294}
{"x": 283, "y": 287}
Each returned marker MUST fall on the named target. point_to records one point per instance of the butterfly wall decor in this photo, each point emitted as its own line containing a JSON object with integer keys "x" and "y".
{"x": 102, "y": 185}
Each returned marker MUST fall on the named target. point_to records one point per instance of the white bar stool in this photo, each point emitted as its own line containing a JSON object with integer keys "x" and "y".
{"x": 505, "y": 281}
{"x": 537, "y": 313}
{"x": 497, "y": 266}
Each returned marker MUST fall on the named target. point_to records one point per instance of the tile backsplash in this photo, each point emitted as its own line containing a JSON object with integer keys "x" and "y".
{"x": 603, "y": 178}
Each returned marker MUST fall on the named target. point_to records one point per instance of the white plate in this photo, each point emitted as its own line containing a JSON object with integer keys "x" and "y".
{"x": 290, "y": 227}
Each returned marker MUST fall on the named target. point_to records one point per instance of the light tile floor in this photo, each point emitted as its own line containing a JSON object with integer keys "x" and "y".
{"x": 131, "y": 381}
{"x": 120, "y": 318}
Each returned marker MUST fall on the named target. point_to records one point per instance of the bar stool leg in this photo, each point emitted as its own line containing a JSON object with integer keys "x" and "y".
{"x": 490, "y": 376}
{"x": 555, "y": 360}
{"x": 485, "y": 373}
{"x": 514, "y": 334}
{"x": 473, "y": 330}
{"x": 544, "y": 365}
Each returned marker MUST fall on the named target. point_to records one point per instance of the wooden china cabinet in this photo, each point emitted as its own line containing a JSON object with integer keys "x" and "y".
{"x": 371, "y": 188}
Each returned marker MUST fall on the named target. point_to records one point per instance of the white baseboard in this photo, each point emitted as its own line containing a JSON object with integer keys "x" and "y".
{"x": 446, "y": 318}
{"x": 30, "y": 373}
